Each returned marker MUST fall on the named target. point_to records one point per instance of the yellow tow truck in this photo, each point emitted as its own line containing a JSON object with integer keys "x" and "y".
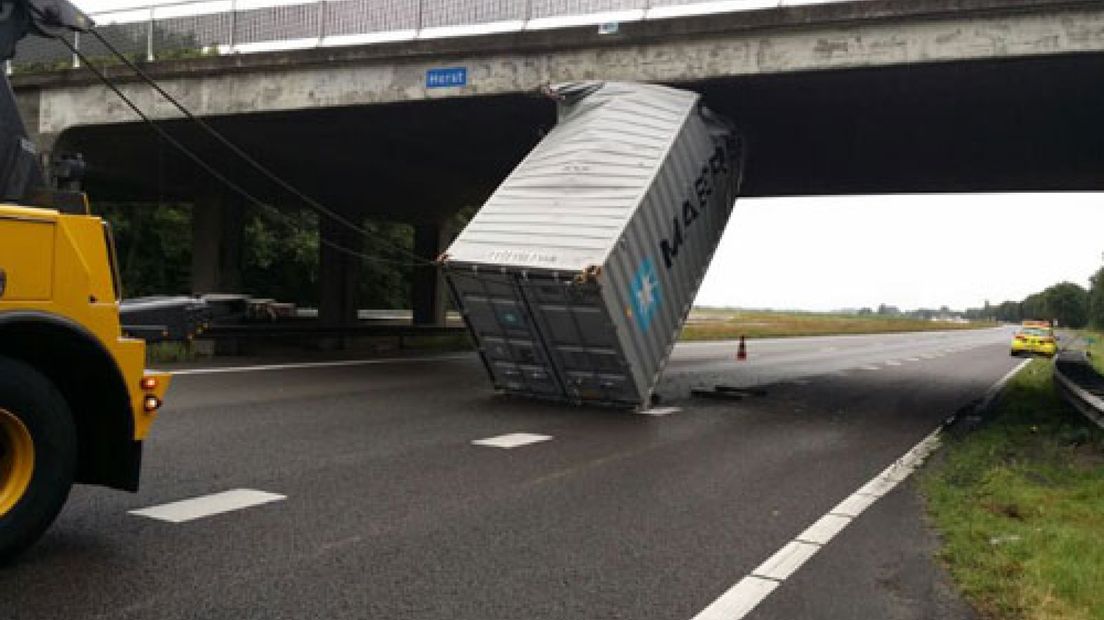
{"x": 75, "y": 399}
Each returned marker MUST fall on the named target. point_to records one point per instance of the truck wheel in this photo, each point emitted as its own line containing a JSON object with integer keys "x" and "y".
{"x": 38, "y": 455}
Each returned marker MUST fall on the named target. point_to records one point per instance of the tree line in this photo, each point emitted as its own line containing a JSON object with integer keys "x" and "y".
{"x": 1069, "y": 304}
{"x": 280, "y": 259}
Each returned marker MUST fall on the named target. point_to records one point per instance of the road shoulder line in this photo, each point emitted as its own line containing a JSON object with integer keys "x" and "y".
{"x": 742, "y": 598}
{"x": 307, "y": 365}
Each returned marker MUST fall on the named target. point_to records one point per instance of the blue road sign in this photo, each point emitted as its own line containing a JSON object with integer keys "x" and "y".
{"x": 447, "y": 78}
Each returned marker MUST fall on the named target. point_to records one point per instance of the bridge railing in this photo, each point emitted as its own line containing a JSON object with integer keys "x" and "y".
{"x": 214, "y": 27}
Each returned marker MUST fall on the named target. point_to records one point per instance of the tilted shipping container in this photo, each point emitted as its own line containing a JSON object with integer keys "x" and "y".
{"x": 576, "y": 276}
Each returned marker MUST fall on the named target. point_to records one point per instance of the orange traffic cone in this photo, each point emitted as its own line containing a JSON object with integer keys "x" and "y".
{"x": 741, "y": 353}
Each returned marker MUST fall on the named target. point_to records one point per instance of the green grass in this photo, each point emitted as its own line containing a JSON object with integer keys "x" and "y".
{"x": 712, "y": 324}
{"x": 167, "y": 352}
{"x": 1096, "y": 348}
{"x": 1020, "y": 506}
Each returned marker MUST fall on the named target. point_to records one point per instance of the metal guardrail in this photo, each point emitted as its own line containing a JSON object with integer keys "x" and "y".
{"x": 1080, "y": 384}
{"x": 213, "y": 27}
{"x": 315, "y": 328}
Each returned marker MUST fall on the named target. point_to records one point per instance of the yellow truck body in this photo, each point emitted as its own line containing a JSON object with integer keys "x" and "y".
{"x": 61, "y": 346}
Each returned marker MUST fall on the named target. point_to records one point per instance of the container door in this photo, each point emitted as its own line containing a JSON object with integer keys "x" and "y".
{"x": 581, "y": 340}
{"x": 505, "y": 332}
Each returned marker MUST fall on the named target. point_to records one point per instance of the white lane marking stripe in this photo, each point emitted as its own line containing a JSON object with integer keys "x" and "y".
{"x": 786, "y": 561}
{"x": 742, "y": 598}
{"x": 912, "y": 359}
{"x": 661, "y": 411}
{"x": 512, "y": 440}
{"x": 300, "y": 366}
{"x": 871, "y": 367}
{"x": 208, "y": 505}
{"x": 739, "y": 600}
{"x": 893, "y": 363}
{"x": 825, "y": 529}
{"x": 854, "y": 505}
{"x": 878, "y": 487}
{"x": 999, "y": 385}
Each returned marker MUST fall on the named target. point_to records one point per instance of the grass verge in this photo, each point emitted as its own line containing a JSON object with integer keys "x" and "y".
{"x": 709, "y": 324}
{"x": 1096, "y": 348}
{"x": 1020, "y": 506}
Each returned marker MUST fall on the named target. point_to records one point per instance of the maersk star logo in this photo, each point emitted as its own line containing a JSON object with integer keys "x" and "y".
{"x": 645, "y": 294}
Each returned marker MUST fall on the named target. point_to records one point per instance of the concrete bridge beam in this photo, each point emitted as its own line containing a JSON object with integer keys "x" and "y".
{"x": 819, "y": 37}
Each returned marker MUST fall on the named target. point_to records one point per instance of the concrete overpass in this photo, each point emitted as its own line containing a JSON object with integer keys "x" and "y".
{"x": 877, "y": 96}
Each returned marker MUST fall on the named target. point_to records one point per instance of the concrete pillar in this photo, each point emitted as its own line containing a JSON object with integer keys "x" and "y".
{"x": 427, "y": 290}
{"x": 218, "y": 226}
{"x": 339, "y": 273}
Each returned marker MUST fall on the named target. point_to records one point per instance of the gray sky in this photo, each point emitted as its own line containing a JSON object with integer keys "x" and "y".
{"x": 909, "y": 251}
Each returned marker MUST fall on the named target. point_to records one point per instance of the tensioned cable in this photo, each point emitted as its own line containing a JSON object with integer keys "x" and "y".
{"x": 199, "y": 161}
{"x": 246, "y": 157}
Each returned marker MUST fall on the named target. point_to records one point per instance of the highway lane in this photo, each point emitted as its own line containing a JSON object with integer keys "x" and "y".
{"x": 781, "y": 359}
{"x": 391, "y": 512}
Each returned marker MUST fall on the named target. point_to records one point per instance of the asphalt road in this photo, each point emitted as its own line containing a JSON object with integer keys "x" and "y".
{"x": 392, "y": 512}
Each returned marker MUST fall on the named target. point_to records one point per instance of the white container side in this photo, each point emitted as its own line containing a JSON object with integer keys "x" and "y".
{"x": 592, "y": 250}
{"x": 655, "y": 274}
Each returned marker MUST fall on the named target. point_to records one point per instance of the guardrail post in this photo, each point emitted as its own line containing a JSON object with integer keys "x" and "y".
{"x": 76, "y": 45}
{"x": 321, "y": 21}
{"x": 418, "y": 26}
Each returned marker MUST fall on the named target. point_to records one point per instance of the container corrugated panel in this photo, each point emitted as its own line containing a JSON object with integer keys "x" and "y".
{"x": 576, "y": 276}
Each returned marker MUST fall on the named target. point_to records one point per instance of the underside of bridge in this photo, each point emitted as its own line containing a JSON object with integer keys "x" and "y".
{"x": 1013, "y": 125}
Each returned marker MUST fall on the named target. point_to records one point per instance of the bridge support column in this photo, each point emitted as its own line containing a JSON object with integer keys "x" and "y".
{"x": 339, "y": 273}
{"x": 427, "y": 290}
{"x": 218, "y": 225}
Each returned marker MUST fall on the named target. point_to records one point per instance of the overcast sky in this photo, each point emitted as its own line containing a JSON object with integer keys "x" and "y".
{"x": 908, "y": 251}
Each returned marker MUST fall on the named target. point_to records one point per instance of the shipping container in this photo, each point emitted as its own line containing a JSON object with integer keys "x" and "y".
{"x": 576, "y": 276}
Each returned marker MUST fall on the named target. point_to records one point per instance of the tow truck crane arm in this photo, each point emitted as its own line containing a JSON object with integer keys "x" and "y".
{"x": 21, "y": 176}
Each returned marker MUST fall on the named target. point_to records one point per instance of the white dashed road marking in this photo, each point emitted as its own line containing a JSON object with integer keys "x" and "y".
{"x": 661, "y": 411}
{"x": 513, "y": 440}
{"x": 869, "y": 368}
{"x": 208, "y": 505}
{"x": 912, "y": 359}
{"x": 750, "y": 591}
{"x": 893, "y": 363}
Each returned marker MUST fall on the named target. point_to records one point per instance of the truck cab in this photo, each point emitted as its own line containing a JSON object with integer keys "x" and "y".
{"x": 75, "y": 400}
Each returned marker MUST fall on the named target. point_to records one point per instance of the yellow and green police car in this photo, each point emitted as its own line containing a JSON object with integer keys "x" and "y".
{"x": 1035, "y": 337}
